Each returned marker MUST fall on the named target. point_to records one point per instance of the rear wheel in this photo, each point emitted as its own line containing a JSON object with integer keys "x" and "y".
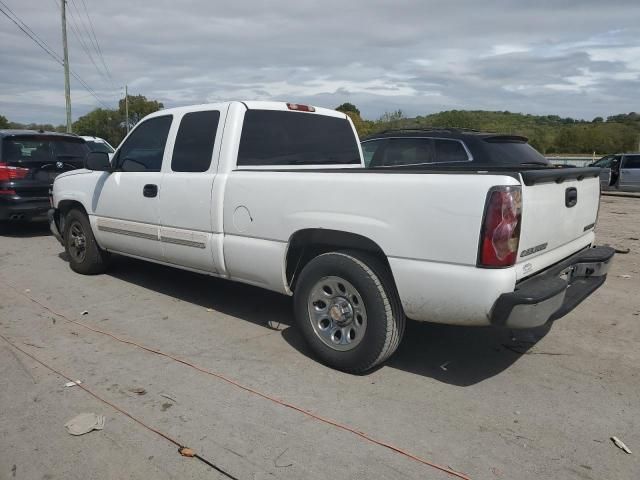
{"x": 85, "y": 256}
{"x": 348, "y": 310}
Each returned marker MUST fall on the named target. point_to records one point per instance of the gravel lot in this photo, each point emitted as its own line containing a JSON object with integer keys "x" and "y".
{"x": 493, "y": 404}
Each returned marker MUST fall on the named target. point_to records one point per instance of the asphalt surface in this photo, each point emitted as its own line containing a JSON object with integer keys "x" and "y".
{"x": 492, "y": 404}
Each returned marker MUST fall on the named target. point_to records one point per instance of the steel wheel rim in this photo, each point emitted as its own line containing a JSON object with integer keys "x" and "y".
{"x": 337, "y": 313}
{"x": 77, "y": 242}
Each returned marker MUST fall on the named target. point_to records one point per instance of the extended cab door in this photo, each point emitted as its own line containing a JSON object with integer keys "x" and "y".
{"x": 125, "y": 203}
{"x": 186, "y": 207}
{"x": 630, "y": 174}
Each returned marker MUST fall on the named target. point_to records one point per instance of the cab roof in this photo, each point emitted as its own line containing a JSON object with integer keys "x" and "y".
{"x": 249, "y": 105}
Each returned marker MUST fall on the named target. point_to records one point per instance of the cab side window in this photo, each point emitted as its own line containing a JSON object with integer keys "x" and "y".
{"x": 194, "y": 142}
{"x": 144, "y": 149}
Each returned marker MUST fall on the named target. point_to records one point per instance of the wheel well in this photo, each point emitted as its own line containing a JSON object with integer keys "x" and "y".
{"x": 64, "y": 206}
{"x": 307, "y": 244}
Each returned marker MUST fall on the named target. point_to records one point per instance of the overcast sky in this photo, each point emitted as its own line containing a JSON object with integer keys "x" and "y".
{"x": 571, "y": 58}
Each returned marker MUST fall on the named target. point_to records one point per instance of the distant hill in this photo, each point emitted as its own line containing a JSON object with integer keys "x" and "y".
{"x": 550, "y": 134}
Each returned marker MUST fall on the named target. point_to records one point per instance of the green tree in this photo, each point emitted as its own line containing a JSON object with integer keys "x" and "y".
{"x": 388, "y": 120}
{"x": 110, "y": 124}
{"x": 4, "y": 123}
{"x": 139, "y": 107}
{"x": 348, "y": 108}
{"x": 631, "y": 117}
{"x": 104, "y": 123}
{"x": 392, "y": 117}
{"x": 363, "y": 127}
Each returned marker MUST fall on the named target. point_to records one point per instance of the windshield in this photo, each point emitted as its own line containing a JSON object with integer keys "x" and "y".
{"x": 604, "y": 162}
{"x": 99, "y": 147}
{"x": 26, "y": 149}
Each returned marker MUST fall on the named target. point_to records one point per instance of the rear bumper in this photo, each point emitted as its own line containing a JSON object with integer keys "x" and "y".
{"x": 14, "y": 207}
{"x": 54, "y": 224}
{"x": 555, "y": 292}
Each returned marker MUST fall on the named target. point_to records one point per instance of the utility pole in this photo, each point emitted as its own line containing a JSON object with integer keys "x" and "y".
{"x": 67, "y": 88}
{"x": 126, "y": 106}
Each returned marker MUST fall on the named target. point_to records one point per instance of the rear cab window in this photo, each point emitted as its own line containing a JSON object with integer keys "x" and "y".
{"x": 284, "y": 138}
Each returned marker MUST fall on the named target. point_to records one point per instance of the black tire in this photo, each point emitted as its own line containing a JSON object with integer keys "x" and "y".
{"x": 93, "y": 260}
{"x": 385, "y": 320}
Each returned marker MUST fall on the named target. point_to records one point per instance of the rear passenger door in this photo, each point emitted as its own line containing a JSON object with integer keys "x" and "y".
{"x": 630, "y": 173}
{"x": 186, "y": 230}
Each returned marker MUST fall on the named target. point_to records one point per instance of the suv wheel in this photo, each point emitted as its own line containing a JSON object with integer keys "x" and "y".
{"x": 348, "y": 310}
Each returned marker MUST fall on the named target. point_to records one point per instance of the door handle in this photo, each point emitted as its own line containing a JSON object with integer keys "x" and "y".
{"x": 150, "y": 190}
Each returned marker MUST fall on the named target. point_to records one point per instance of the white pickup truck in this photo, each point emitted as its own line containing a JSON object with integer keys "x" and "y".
{"x": 277, "y": 195}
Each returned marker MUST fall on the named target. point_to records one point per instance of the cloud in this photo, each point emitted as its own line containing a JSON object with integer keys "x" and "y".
{"x": 573, "y": 58}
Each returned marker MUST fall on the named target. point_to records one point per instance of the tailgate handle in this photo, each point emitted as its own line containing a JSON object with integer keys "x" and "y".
{"x": 571, "y": 197}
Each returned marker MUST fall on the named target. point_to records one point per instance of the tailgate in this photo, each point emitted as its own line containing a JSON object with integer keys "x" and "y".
{"x": 559, "y": 211}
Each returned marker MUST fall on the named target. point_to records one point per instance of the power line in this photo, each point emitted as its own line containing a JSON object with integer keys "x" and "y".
{"x": 82, "y": 28}
{"x": 77, "y": 34}
{"x": 89, "y": 89}
{"x": 10, "y": 14}
{"x": 97, "y": 44}
{"x": 83, "y": 45}
{"x": 30, "y": 33}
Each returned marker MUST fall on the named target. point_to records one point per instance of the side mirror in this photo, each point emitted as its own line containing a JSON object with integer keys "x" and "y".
{"x": 98, "y": 161}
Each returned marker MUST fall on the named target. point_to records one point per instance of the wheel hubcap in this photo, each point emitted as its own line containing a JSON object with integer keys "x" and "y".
{"x": 337, "y": 313}
{"x": 77, "y": 242}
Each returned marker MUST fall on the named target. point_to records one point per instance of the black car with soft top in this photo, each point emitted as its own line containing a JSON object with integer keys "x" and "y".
{"x": 449, "y": 149}
{"x": 29, "y": 162}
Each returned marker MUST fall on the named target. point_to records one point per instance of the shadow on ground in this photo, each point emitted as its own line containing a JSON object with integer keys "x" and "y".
{"x": 252, "y": 304}
{"x": 462, "y": 355}
{"x": 453, "y": 355}
{"x": 24, "y": 229}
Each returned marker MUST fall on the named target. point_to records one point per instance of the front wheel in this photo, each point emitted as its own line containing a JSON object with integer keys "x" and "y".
{"x": 85, "y": 256}
{"x": 348, "y": 310}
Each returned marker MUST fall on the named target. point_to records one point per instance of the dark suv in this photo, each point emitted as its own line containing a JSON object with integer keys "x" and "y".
{"x": 447, "y": 148}
{"x": 29, "y": 161}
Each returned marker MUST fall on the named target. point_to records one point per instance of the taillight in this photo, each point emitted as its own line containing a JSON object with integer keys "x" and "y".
{"x": 500, "y": 234}
{"x": 12, "y": 173}
{"x": 300, "y": 108}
